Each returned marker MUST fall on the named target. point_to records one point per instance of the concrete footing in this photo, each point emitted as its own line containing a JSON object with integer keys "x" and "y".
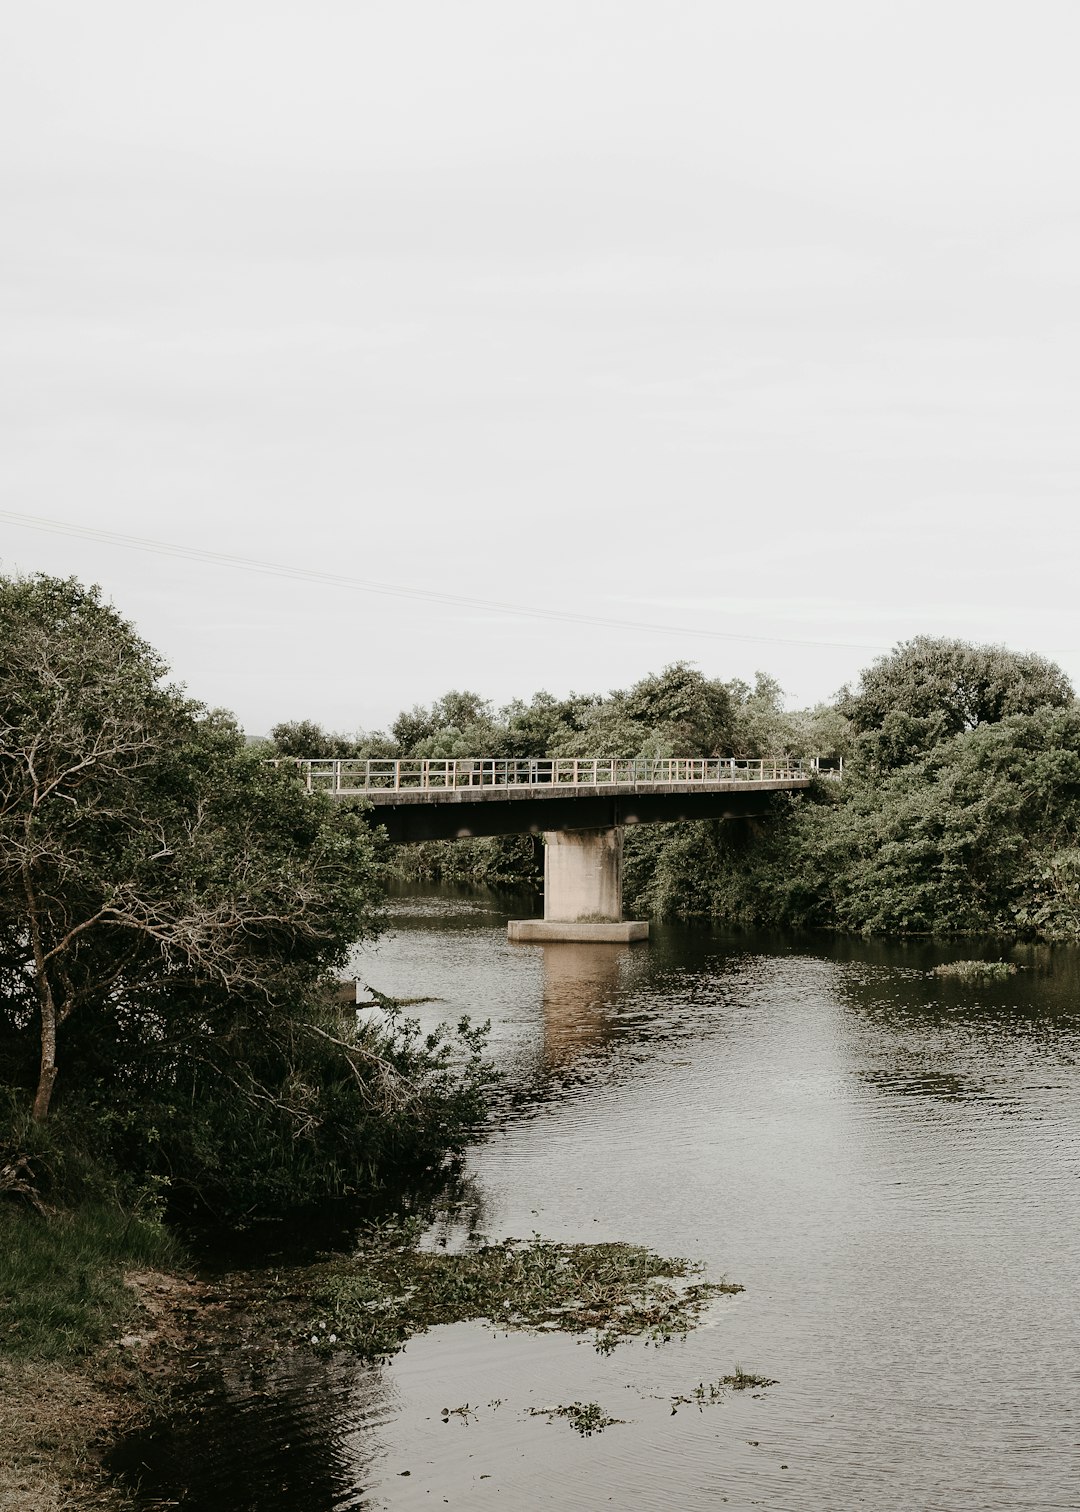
{"x": 547, "y": 931}
{"x": 582, "y": 891}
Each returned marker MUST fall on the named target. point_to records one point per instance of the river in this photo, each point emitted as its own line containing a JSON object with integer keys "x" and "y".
{"x": 888, "y": 1161}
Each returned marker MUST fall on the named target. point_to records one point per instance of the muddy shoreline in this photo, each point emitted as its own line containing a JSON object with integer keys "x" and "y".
{"x": 72, "y": 1434}
{"x": 59, "y": 1420}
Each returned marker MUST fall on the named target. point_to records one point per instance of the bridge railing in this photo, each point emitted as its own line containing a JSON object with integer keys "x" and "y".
{"x": 344, "y": 775}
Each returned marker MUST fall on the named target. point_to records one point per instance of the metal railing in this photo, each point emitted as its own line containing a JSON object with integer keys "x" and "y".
{"x": 343, "y": 776}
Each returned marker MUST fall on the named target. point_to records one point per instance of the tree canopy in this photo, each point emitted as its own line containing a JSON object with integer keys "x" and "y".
{"x": 173, "y": 913}
{"x": 146, "y": 861}
{"x": 929, "y": 689}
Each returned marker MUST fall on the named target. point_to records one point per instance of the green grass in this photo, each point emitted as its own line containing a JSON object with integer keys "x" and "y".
{"x": 375, "y": 1300}
{"x": 61, "y": 1277}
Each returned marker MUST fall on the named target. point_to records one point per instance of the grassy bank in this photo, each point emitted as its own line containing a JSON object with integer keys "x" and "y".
{"x": 87, "y": 1329}
{"x": 62, "y": 1291}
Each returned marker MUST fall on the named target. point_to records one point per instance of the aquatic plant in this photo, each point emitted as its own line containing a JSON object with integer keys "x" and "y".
{"x": 977, "y": 971}
{"x": 376, "y": 1299}
{"x": 585, "y": 1418}
{"x": 715, "y": 1391}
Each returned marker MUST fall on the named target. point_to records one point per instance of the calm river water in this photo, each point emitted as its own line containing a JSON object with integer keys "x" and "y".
{"x": 888, "y": 1161}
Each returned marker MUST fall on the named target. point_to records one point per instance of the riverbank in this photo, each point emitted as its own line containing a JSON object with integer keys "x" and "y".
{"x": 59, "y": 1416}
{"x": 99, "y": 1321}
{"x": 94, "y": 1354}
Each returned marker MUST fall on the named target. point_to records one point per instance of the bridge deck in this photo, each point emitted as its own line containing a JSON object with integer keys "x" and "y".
{"x": 551, "y": 792}
{"x": 427, "y": 776}
{"x": 444, "y": 800}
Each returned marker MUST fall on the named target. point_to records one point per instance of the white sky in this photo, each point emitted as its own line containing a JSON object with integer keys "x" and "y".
{"x": 759, "y": 320}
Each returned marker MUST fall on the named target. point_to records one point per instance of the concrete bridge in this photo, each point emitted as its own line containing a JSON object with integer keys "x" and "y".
{"x": 579, "y": 805}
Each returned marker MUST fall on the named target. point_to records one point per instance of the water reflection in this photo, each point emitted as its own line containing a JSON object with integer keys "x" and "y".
{"x": 580, "y": 996}
{"x": 300, "y": 1433}
{"x": 888, "y": 1160}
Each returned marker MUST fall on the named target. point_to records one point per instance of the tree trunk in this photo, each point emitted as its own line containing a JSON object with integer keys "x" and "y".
{"x": 47, "y": 1074}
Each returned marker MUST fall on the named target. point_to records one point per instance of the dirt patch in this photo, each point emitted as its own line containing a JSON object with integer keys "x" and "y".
{"x": 57, "y": 1420}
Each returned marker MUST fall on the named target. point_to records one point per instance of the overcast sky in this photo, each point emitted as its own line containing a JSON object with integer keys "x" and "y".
{"x": 755, "y": 321}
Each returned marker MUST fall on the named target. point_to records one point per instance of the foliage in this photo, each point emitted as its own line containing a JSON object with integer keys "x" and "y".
{"x": 545, "y": 725}
{"x": 977, "y": 837}
{"x": 764, "y": 728}
{"x": 172, "y": 913}
{"x": 708, "y": 1393}
{"x": 459, "y": 723}
{"x": 375, "y": 1300}
{"x": 757, "y": 873}
{"x": 262, "y": 1118}
{"x": 977, "y": 971}
{"x": 304, "y": 738}
{"x": 585, "y": 1418}
{"x": 693, "y": 711}
{"x": 154, "y": 877}
{"x": 508, "y": 861}
{"x": 928, "y": 690}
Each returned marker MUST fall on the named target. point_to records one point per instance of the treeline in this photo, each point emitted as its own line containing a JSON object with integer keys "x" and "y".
{"x": 677, "y": 712}
{"x": 959, "y": 811}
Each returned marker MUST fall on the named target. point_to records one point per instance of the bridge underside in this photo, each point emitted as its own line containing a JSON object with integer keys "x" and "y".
{"x": 458, "y": 814}
{"x": 583, "y": 834}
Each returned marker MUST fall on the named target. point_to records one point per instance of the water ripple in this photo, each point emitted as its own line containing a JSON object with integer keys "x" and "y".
{"x": 890, "y": 1163}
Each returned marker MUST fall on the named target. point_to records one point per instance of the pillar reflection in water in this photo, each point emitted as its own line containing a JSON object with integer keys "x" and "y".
{"x": 581, "y": 987}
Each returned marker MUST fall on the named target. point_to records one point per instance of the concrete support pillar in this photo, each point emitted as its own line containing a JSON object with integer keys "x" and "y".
{"x": 582, "y": 890}
{"x": 583, "y": 876}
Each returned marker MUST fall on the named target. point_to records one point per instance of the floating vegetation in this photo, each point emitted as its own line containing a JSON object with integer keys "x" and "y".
{"x": 715, "y": 1391}
{"x": 392, "y": 1005}
{"x": 375, "y": 1300}
{"x": 464, "y": 1412}
{"x": 977, "y": 971}
{"x": 585, "y": 1418}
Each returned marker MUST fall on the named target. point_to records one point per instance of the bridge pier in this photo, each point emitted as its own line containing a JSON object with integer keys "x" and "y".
{"x": 582, "y": 890}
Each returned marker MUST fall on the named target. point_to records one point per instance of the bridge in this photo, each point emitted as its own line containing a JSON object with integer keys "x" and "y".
{"x": 579, "y": 805}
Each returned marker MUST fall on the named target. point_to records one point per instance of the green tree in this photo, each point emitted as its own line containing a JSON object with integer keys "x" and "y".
{"x": 412, "y": 726}
{"x": 693, "y": 711}
{"x": 980, "y": 835}
{"x": 457, "y": 717}
{"x": 928, "y": 690}
{"x": 764, "y": 728}
{"x": 305, "y": 738}
{"x": 460, "y": 709}
{"x": 545, "y": 725}
{"x": 146, "y": 860}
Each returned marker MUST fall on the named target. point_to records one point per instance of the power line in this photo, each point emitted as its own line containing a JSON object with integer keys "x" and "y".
{"x": 397, "y": 590}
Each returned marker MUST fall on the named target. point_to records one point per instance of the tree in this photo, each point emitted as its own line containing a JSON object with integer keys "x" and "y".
{"x": 764, "y": 728}
{"x": 543, "y": 726}
{"x": 303, "y": 737}
{"x": 458, "y": 724}
{"x": 928, "y": 690}
{"x": 694, "y": 711}
{"x": 459, "y": 709}
{"x": 148, "y": 863}
{"x": 980, "y": 835}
